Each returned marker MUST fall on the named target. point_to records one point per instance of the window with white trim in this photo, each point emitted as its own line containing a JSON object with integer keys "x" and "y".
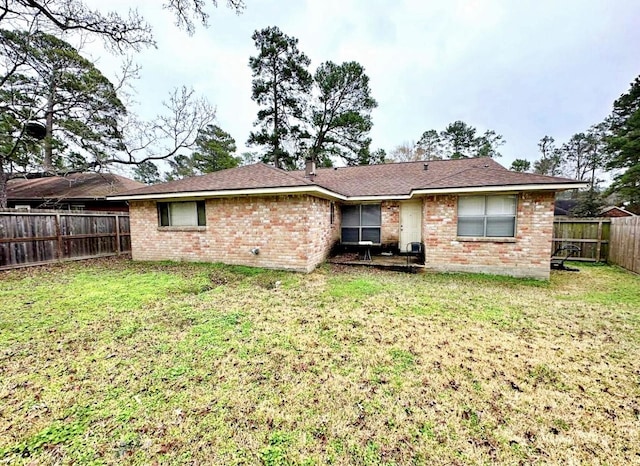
{"x": 361, "y": 223}
{"x": 190, "y": 213}
{"x": 491, "y": 216}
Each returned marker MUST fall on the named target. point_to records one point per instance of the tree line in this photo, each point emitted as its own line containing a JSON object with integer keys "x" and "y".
{"x": 86, "y": 118}
{"x": 324, "y": 114}
{"x": 457, "y": 140}
{"x": 610, "y": 148}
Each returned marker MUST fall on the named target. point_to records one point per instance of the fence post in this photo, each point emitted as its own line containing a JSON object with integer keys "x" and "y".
{"x": 118, "y": 245}
{"x": 59, "y": 235}
{"x": 599, "y": 243}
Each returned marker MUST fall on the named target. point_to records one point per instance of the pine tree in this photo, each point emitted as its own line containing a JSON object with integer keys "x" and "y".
{"x": 624, "y": 146}
{"x": 280, "y": 87}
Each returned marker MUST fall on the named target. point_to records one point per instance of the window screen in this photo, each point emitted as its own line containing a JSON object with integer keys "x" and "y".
{"x": 191, "y": 213}
{"x": 183, "y": 214}
{"x": 370, "y": 215}
{"x": 487, "y": 216}
{"x": 361, "y": 223}
{"x": 351, "y": 215}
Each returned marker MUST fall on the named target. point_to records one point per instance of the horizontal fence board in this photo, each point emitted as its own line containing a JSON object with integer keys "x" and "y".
{"x": 591, "y": 235}
{"x": 41, "y": 237}
{"x": 581, "y": 240}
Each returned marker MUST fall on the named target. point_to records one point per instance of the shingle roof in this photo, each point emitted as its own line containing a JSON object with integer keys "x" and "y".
{"x": 393, "y": 179}
{"x": 402, "y": 178}
{"x": 72, "y": 186}
{"x": 254, "y": 176}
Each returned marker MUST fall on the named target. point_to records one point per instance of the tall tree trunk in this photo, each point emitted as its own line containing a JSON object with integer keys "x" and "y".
{"x": 47, "y": 161}
{"x": 276, "y": 135}
{"x": 3, "y": 188}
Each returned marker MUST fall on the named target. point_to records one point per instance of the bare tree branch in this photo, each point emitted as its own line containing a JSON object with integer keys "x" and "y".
{"x": 168, "y": 134}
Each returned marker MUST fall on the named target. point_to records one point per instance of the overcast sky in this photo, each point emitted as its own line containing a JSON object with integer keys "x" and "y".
{"x": 522, "y": 68}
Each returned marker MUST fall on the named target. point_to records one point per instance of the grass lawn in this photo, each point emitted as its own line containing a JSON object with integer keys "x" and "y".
{"x": 140, "y": 363}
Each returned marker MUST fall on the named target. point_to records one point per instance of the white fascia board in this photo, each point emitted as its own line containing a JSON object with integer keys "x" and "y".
{"x": 232, "y": 193}
{"x": 505, "y": 188}
{"x": 317, "y": 190}
{"x": 378, "y": 198}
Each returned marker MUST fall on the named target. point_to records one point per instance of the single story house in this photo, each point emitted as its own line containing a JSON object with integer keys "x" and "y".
{"x": 472, "y": 215}
{"x": 75, "y": 191}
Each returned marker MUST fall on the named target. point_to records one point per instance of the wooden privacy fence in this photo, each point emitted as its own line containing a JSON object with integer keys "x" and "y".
{"x": 625, "y": 243}
{"x": 41, "y": 237}
{"x": 591, "y": 235}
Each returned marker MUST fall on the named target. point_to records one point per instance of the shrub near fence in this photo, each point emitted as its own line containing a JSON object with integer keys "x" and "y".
{"x": 40, "y": 237}
{"x": 625, "y": 243}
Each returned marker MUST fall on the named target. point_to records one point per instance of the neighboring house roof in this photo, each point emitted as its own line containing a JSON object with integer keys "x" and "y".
{"x": 615, "y": 211}
{"x": 254, "y": 176}
{"x": 74, "y": 186}
{"x": 393, "y": 180}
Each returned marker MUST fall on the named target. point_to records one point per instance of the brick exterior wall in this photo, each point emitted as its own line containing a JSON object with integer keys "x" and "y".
{"x": 292, "y": 232}
{"x": 390, "y": 211}
{"x": 296, "y": 233}
{"x": 527, "y": 255}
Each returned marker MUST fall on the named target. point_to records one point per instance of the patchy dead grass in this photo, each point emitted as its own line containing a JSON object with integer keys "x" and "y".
{"x": 114, "y": 362}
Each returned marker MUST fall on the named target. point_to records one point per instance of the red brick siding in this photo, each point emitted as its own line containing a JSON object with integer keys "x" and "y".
{"x": 322, "y": 234}
{"x": 295, "y": 232}
{"x": 527, "y": 256}
{"x": 291, "y": 232}
{"x": 390, "y": 223}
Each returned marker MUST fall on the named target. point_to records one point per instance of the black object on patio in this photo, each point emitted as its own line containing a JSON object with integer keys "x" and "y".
{"x": 415, "y": 249}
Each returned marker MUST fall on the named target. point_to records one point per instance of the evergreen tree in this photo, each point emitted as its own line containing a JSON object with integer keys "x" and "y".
{"x": 589, "y": 204}
{"x": 340, "y": 118}
{"x": 487, "y": 144}
{"x": 623, "y": 146}
{"x": 430, "y": 144}
{"x": 147, "y": 173}
{"x": 459, "y": 140}
{"x": 280, "y": 87}
{"x": 214, "y": 152}
{"x": 50, "y": 81}
{"x": 520, "y": 165}
{"x": 77, "y": 102}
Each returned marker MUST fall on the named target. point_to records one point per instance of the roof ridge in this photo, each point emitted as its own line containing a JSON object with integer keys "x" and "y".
{"x": 407, "y": 162}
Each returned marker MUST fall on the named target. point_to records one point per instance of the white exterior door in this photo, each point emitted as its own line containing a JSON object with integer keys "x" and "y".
{"x": 410, "y": 223}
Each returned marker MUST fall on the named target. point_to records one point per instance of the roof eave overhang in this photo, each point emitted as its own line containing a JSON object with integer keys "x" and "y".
{"x": 503, "y": 188}
{"x": 56, "y": 198}
{"x": 326, "y": 193}
{"x": 315, "y": 190}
